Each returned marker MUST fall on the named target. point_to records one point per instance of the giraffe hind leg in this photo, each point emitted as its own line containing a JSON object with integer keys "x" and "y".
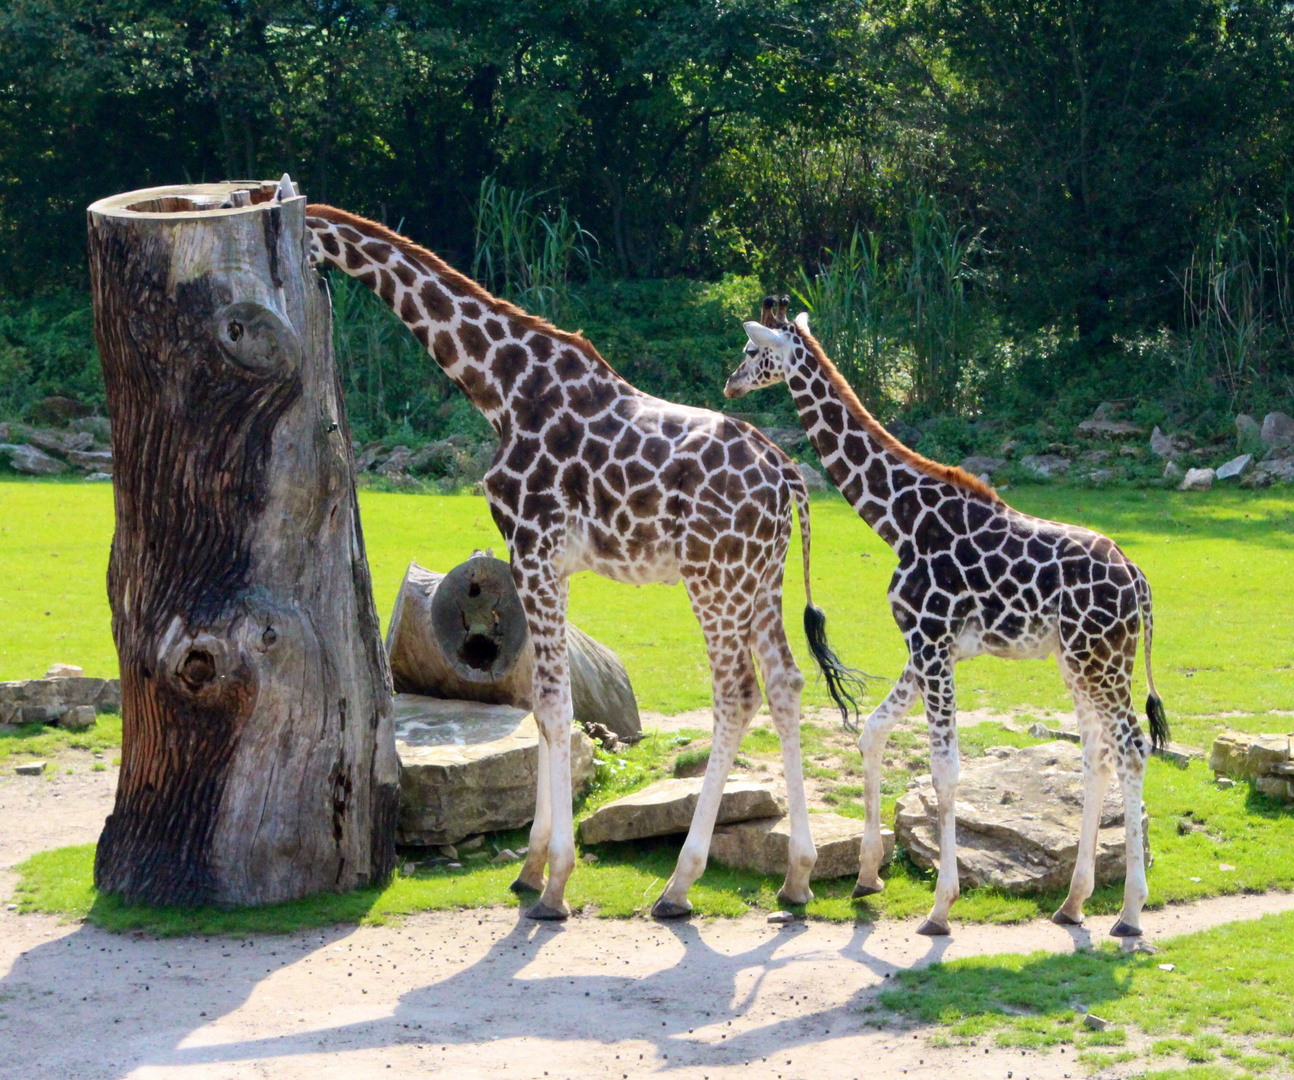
{"x": 871, "y": 744}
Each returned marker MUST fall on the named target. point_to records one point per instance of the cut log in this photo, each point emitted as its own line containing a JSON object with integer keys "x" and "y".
{"x": 258, "y": 754}
{"x": 463, "y": 635}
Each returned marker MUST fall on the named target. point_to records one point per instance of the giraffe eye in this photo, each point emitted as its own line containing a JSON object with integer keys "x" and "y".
{"x": 751, "y": 351}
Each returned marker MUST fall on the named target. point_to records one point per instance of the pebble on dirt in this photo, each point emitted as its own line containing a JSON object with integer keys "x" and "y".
{"x": 30, "y": 768}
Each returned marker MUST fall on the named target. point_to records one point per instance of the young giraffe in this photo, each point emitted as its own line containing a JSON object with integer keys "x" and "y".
{"x": 593, "y": 474}
{"x": 976, "y": 576}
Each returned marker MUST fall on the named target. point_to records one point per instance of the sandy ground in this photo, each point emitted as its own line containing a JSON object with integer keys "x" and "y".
{"x": 481, "y": 994}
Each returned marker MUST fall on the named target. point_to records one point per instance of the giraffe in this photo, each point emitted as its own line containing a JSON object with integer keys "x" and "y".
{"x": 593, "y": 474}
{"x": 976, "y": 576}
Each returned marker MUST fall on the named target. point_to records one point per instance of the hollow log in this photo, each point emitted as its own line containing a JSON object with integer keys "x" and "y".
{"x": 463, "y": 635}
{"x": 258, "y": 755}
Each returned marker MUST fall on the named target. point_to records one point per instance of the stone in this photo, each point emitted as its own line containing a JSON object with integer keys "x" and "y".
{"x": 64, "y": 671}
{"x": 436, "y": 459}
{"x": 665, "y": 808}
{"x": 781, "y": 918}
{"x": 1173, "y": 471}
{"x": 507, "y": 855}
{"x": 1248, "y": 431}
{"x": 1110, "y": 429}
{"x": 1095, "y": 457}
{"x": 1045, "y": 465}
{"x": 97, "y": 461}
{"x": 98, "y": 427}
{"x": 904, "y": 432}
{"x": 1223, "y": 783}
{"x": 1275, "y": 787}
{"x": 982, "y": 463}
{"x": 1018, "y": 814}
{"x": 78, "y": 718}
{"x": 1042, "y": 731}
{"x": 1179, "y": 754}
{"x": 1095, "y": 1023}
{"x": 30, "y": 768}
{"x": 1243, "y": 756}
{"x": 1160, "y": 444}
{"x": 1235, "y": 466}
{"x": 1277, "y": 430}
{"x": 785, "y": 437}
{"x": 1102, "y": 476}
{"x": 396, "y": 463}
{"x": 467, "y": 767}
{"x": 763, "y": 845}
{"x": 1197, "y": 480}
{"x": 31, "y": 460}
{"x": 97, "y": 477}
{"x": 58, "y": 410}
{"x": 813, "y": 479}
{"x": 1266, "y": 473}
{"x": 56, "y": 695}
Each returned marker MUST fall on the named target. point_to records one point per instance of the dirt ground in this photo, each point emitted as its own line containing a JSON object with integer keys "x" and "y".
{"x": 481, "y": 994}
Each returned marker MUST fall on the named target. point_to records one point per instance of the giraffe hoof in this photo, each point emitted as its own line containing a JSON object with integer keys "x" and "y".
{"x": 1125, "y": 929}
{"x": 521, "y": 888}
{"x": 933, "y": 929}
{"x": 784, "y": 897}
{"x": 667, "y": 909}
{"x": 1062, "y": 918}
{"x": 543, "y": 913}
{"x": 861, "y": 890}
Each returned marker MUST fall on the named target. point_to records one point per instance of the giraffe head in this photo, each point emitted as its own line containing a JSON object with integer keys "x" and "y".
{"x": 771, "y": 350}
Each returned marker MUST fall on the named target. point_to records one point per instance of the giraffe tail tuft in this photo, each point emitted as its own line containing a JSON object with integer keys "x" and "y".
{"x": 1155, "y": 715}
{"x": 846, "y": 685}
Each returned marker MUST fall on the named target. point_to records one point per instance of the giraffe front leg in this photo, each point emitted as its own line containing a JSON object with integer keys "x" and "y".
{"x": 871, "y": 744}
{"x": 941, "y": 718}
{"x": 1132, "y": 774}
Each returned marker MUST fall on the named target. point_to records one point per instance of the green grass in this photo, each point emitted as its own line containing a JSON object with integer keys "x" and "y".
{"x": 37, "y": 740}
{"x": 1220, "y": 565}
{"x": 1227, "y": 997}
{"x": 1235, "y": 826}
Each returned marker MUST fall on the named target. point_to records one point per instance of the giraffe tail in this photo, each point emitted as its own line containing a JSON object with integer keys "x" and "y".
{"x": 1155, "y": 714}
{"x": 846, "y": 685}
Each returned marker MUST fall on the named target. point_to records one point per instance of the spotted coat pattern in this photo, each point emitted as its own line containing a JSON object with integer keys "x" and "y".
{"x": 975, "y": 576}
{"x": 593, "y": 474}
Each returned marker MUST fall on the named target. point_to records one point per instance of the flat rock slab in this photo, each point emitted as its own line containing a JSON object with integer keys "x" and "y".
{"x": 1242, "y": 756}
{"x": 1018, "y": 813}
{"x": 45, "y": 700}
{"x": 666, "y": 807}
{"x": 468, "y": 767}
{"x": 762, "y": 846}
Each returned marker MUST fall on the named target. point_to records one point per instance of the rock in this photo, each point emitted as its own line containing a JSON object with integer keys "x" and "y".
{"x": 98, "y": 427}
{"x": 396, "y": 463}
{"x": 471, "y": 843}
{"x": 77, "y": 718}
{"x": 1102, "y": 476}
{"x": 763, "y": 845}
{"x": 1277, "y": 430}
{"x": 64, "y": 671}
{"x": 904, "y": 432}
{"x": 1197, "y": 480}
{"x": 1243, "y": 756}
{"x": 1225, "y": 782}
{"x": 1161, "y": 444}
{"x": 781, "y": 918}
{"x": 507, "y": 855}
{"x": 1128, "y": 450}
{"x": 435, "y": 460}
{"x": 1042, "y": 731}
{"x": 1248, "y": 431}
{"x": 1179, "y": 753}
{"x": 1173, "y": 471}
{"x": 1095, "y": 457}
{"x": 1046, "y": 465}
{"x": 1018, "y": 814}
{"x": 30, "y": 768}
{"x": 982, "y": 463}
{"x": 1110, "y": 429}
{"x": 1275, "y": 787}
{"x": 665, "y": 808}
{"x": 1267, "y": 473}
{"x": 1235, "y": 466}
{"x": 469, "y": 767}
{"x": 813, "y": 479}
{"x": 31, "y": 460}
{"x": 95, "y": 461}
{"x": 785, "y": 437}
{"x": 55, "y": 696}
{"x": 58, "y": 410}
{"x": 97, "y": 477}
{"x": 590, "y": 858}
{"x": 1095, "y": 1023}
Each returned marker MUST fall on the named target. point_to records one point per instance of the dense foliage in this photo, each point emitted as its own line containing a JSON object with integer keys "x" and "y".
{"x": 1044, "y": 189}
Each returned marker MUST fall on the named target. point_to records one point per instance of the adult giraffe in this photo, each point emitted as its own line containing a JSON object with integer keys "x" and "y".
{"x": 593, "y": 474}
{"x": 976, "y": 576}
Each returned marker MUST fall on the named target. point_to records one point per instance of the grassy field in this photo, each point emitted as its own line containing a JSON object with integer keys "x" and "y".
{"x": 1220, "y": 564}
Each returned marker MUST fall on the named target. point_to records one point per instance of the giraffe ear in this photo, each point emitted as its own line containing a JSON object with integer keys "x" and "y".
{"x": 762, "y": 336}
{"x": 802, "y": 321}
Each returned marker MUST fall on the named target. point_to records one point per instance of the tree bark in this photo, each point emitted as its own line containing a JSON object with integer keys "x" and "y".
{"x": 463, "y": 635}
{"x": 258, "y": 756}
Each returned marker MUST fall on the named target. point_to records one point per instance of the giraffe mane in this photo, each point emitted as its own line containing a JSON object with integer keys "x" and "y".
{"x": 949, "y": 474}
{"x": 460, "y": 281}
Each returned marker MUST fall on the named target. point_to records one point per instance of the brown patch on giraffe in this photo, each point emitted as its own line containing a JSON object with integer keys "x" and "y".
{"x": 437, "y": 302}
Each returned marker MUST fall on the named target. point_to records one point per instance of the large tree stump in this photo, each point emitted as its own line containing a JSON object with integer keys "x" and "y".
{"x": 463, "y": 635}
{"x": 258, "y": 757}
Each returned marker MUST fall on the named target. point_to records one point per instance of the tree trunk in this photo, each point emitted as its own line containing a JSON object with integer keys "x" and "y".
{"x": 258, "y": 757}
{"x": 463, "y": 635}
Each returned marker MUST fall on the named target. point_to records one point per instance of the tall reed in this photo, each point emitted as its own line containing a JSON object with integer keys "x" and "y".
{"x": 526, "y": 254}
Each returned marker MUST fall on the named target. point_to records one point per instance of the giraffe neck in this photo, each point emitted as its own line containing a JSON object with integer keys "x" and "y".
{"x": 508, "y": 363}
{"x": 869, "y": 466}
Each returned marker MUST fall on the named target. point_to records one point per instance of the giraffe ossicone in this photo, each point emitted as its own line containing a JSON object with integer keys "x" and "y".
{"x": 593, "y": 474}
{"x": 976, "y": 576}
